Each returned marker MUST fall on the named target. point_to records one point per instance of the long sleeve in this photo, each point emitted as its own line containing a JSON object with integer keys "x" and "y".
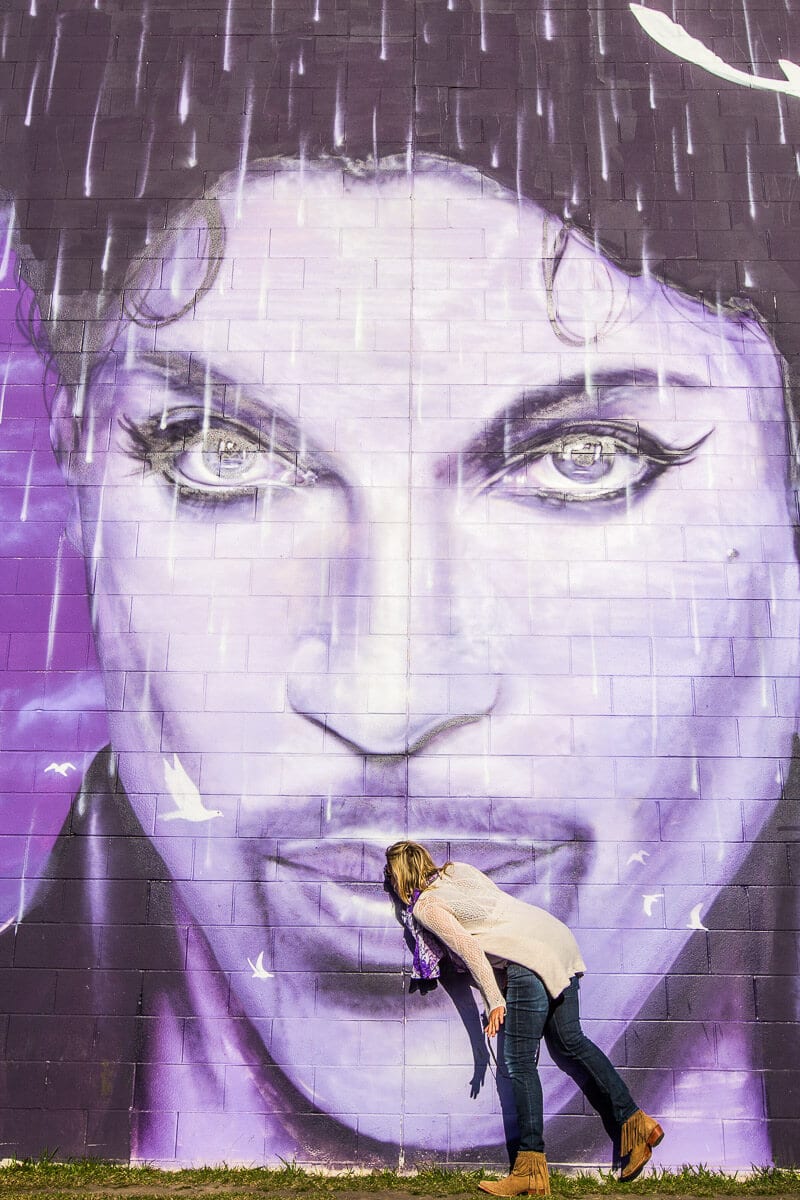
{"x": 449, "y": 930}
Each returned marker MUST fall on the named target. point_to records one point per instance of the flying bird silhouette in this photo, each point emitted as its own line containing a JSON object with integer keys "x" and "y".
{"x": 638, "y": 857}
{"x": 60, "y": 768}
{"x": 258, "y": 969}
{"x": 188, "y": 801}
{"x": 694, "y": 918}
{"x": 649, "y": 901}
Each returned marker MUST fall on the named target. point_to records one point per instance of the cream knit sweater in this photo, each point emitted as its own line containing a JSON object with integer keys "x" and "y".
{"x": 474, "y": 918}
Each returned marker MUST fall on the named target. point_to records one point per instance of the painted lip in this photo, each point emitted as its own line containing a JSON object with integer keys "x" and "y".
{"x": 352, "y": 891}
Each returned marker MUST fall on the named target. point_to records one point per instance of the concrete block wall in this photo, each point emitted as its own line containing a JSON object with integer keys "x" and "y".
{"x": 397, "y": 439}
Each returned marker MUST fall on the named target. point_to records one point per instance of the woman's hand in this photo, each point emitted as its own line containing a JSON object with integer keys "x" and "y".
{"x": 496, "y": 1018}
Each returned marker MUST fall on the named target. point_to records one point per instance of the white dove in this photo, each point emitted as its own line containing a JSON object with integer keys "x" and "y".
{"x": 694, "y": 918}
{"x": 258, "y": 969}
{"x": 189, "y": 802}
{"x": 638, "y": 857}
{"x": 649, "y": 901}
{"x": 60, "y": 768}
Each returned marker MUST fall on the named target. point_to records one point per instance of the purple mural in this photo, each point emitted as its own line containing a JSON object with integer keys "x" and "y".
{"x": 397, "y": 439}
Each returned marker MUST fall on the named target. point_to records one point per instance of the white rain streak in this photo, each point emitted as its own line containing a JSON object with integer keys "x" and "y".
{"x": 676, "y": 161}
{"x": 87, "y": 171}
{"x": 53, "y": 64}
{"x": 551, "y": 121}
{"x": 5, "y": 385}
{"x": 226, "y": 51}
{"x": 107, "y": 248}
{"x": 518, "y": 148}
{"x": 375, "y": 135}
{"x": 32, "y": 11}
{"x": 317, "y": 14}
{"x": 338, "y": 115}
{"x": 4, "y": 262}
{"x": 601, "y": 31}
{"x": 457, "y": 119}
{"x": 272, "y": 18}
{"x": 145, "y": 170}
{"x": 32, "y": 95}
{"x": 89, "y": 427}
{"x": 183, "y": 102}
{"x": 192, "y": 159}
{"x": 55, "y": 300}
{"x": 290, "y": 96}
{"x": 574, "y": 197}
{"x": 23, "y": 512}
{"x": 751, "y": 185}
{"x": 653, "y": 713}
{"x": 55, "y": 600}
{"x": 79, "y": 398}
{"x": 482, "y": 13}
{"x": 208, "y": 400}
{"x": 130, "y": 347}
{"x": 689, "y": 139}
{"x": 651, "y": 91}
{"x": 384, "y": 27}
{"x": 547, "y": 18}
{"x": 749, "y": 35}
{"x": 4, "y": 42}
{"x": 601, "y": 125}
{"x": 140, "y": 55}
{"x": 244, "y": 153}
{"x": 301, "y": 62}
{"x": 263, "y": 283}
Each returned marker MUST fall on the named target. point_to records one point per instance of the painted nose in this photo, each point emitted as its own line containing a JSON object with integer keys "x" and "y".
{"x": 390, "y": 696}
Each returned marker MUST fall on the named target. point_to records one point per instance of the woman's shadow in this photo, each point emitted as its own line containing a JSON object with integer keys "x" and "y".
{"x": 456, "y": 984}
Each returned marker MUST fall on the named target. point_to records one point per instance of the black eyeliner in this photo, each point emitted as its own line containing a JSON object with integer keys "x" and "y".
{"x": 629, "y": 436}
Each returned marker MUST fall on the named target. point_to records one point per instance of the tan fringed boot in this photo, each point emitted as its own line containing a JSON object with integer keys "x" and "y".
{"x": 528, "y": 1175}
{"x": 638, "y": 1136}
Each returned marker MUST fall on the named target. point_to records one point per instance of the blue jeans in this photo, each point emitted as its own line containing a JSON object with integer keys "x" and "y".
{"x": 531, "y": 1015}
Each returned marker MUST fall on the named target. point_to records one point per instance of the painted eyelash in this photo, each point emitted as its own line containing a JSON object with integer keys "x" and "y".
{"x": 150, "y": 441}
{"x": 638, "y": 441}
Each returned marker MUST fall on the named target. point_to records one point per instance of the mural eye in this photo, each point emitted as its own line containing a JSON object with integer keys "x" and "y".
{"x": 222, "y": 460}
{"x": 223, "y": 463}
{"x": 579, "y": 465}
{"x": 585, "y": 458}
{"x": 226, "y": 457}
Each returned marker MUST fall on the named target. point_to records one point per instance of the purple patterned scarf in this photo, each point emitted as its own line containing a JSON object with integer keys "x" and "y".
{"x": 428, "y": 950}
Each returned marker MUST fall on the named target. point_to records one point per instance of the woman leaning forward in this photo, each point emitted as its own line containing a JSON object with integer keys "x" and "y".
{"x": 481, "y": 924}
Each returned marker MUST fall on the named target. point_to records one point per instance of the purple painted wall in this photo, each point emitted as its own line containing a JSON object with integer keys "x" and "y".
{"x": 397, "y": 439}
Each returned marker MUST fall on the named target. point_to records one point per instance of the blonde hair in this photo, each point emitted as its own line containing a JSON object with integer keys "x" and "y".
{"x": 411, "y": 867}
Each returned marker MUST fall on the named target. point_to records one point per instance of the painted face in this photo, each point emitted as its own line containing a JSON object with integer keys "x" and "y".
{"x": 424, "y": 523}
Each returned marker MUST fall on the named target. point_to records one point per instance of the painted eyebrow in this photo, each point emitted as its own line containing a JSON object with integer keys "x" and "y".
{"x": 263, "y": 416}
{"x": 568, "y": 397}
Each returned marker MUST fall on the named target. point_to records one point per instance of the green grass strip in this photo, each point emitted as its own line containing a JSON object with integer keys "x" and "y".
{"x": 45, "y": 1179}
